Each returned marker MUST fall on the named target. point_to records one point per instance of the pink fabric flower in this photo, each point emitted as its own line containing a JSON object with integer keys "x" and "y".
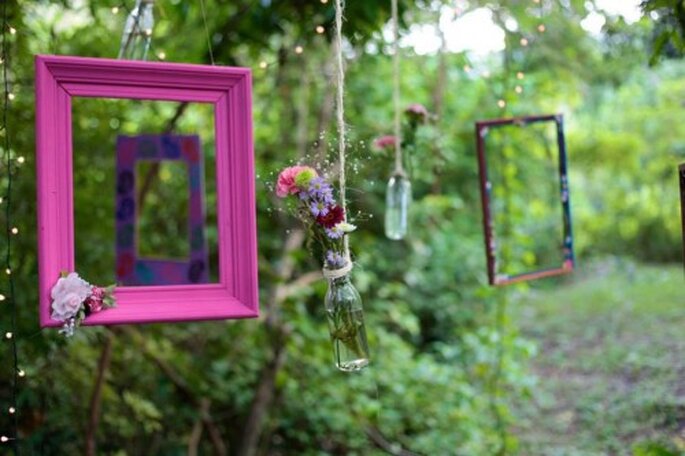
{"x": 385, "y": 142}
{"x": 417, "y": 111}
{"x": 68, "y": 295}
{"x": 286, "y": 181}
{"x": 95, "y": 302}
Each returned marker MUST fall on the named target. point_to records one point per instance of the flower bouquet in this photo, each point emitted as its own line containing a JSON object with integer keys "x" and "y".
{"x": 398, "y": 194}
{"x": 326, "y": 223}
{"x": 74, "y": 299}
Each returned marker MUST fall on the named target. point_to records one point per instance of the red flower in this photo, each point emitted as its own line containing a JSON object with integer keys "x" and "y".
{"x": 335, "y": 215}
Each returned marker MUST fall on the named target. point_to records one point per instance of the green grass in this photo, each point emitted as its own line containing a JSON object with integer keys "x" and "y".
{"x": 611, "y": 363}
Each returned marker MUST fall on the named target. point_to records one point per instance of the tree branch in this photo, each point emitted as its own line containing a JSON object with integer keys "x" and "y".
{"x": 96, "y": 398}
{"x": 384, "y": 444}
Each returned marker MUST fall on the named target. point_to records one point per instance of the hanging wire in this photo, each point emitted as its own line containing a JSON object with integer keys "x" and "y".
{"x": 10, "y": 336}
{"x": 209, "y": 41}
{"x": 399, "y": 169}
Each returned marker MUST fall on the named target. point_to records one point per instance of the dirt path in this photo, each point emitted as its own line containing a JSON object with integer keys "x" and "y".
{"x": 610, "y": 366}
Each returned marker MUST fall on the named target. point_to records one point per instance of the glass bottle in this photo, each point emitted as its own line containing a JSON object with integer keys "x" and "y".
{"x": 346, "y": 325}
{"x": 397, "y": 200}
{"x": 135, "y": 41}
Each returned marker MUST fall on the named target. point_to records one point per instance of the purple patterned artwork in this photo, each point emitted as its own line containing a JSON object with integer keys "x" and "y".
{"x": 132, "y": 269}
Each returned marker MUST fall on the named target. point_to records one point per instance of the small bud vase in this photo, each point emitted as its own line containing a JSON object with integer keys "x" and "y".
{"x": 346, "y": 324}
{"x": 397, "y": 200}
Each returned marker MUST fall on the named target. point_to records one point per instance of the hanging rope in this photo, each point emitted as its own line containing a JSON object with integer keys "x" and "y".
{"x": 399, "y": 169}
{"x": 340, "y": 111}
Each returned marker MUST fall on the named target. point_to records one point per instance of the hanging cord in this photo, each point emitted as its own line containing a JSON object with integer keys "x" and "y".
{"x": 340, "y": 111}
{"x": 209, "y": 41}
{"x": 399, "y": 169}
{"x": 11, "y": 335}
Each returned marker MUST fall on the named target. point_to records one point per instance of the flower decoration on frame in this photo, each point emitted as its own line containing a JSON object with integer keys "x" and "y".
{"x": 74, "y": 299}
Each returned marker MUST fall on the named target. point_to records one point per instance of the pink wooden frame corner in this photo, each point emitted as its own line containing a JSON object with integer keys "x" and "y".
{"x": 229, "y": 89}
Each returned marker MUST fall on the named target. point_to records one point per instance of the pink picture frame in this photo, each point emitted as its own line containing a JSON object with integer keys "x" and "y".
{"x": 229, "y": 89}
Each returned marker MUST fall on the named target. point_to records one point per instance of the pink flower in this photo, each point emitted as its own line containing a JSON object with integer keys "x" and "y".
{"x": 385, "y": 142}
{"x": 95, "y": 302}
{"x": 286, "y": 181}
{"x": 417, "y": 111}
{"x": 68, "y": 295}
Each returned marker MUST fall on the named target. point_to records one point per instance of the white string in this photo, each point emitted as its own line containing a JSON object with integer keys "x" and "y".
{"x": 399, "y": 169}
{"x": 340, "y": 111}
{"x": 337, "y": 273}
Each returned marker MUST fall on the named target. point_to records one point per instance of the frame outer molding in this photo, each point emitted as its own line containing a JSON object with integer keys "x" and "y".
{"x": 58, "y": 78}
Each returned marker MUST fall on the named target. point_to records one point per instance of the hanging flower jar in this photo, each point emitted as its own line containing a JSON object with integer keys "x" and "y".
{"x": 398, "y": 195}
{"x": 346, "y": 321}
{"x": 326, "y": 223}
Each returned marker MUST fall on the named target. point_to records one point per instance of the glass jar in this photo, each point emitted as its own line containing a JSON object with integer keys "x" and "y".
{"x": 346, "y": 325}
{"x": 397, "y": 200}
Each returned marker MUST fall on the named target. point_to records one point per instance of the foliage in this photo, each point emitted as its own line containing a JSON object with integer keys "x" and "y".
{"x": 445, "y": 359}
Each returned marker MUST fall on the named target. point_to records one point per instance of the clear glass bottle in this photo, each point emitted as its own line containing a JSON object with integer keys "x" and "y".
{"x": 346, "y": 324}
{"x": 397, "y": 200}
{"x": 135, "y": 41}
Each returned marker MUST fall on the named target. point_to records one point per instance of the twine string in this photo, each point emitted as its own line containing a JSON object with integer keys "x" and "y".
{"x": 399, "y": 168}
{"x": 340, "y": 114}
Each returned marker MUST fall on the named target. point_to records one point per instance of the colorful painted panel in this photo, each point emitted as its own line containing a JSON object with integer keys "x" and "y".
{"x": 132, "y": 269}
{"x": 525, "y": 198}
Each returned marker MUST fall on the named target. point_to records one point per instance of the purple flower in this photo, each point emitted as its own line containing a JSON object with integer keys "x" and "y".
{"x": 318, "y": 208}
{"x": 334, "y": 233}
{"x": 321, "y": 190}
{"x": 335, "y": 259}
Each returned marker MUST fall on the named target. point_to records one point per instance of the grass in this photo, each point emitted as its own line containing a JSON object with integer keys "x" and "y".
{"x": 611, "y": 363}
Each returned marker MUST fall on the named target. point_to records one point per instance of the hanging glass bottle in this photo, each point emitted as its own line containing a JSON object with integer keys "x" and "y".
{"x": 397, "y": 200}
{"x": 135, "y": 41}
{"x": 346, "y": 324}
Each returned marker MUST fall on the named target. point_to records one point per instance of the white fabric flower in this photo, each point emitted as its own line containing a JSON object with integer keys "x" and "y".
{"x": 345, "y": 227}
{"x": 68, "y": 296}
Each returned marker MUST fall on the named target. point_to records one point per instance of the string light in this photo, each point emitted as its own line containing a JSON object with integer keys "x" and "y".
{"x": 21, "y": 373}
{"x": 161, "y": 55}
{"x": 6, "y": 146}
{"x": 502, "y": 104}
{"x": 15, "y": 230}
{"x": 263, "y": 65}
{"x": 21, "y": 160}
{"x": 524, "y": 42}
{"x": 2, "y": 297}
{"x": 520, "y": 75}
{"x": 518, "y": 89}
{"x": 324, "y": 1}
{"x": 541, "y": 28}
{"x": 320, "y": 29}
{"x": 299, "y": 49}
{"x": 115, "y": 10}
